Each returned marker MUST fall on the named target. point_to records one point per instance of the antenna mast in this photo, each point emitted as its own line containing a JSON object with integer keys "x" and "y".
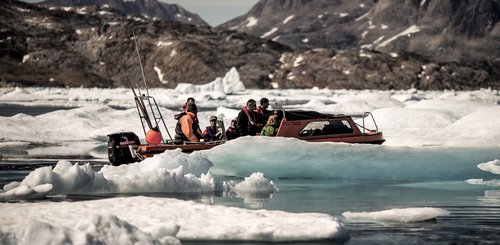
{"x": 140, "y": 62}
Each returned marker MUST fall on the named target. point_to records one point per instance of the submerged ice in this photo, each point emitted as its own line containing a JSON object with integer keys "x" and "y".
{"x": 492, "y": 167}
{"x": 292, "y": 158}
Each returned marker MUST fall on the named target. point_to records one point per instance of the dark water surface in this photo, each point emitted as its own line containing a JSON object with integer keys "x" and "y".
{"x": 474, "y": 219}
{"x": 8, "y": 110}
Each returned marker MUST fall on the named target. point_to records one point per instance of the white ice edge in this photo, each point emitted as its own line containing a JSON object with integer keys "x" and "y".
{"x": 404, "y": 215}
{"x": 195, "y": 221}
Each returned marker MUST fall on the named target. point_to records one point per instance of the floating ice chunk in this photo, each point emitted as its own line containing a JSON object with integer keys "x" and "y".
{"x": 254, "y": 189}
{"x": 491, "y": 166}
{"x": 163, "y": 231}
{"x": 66, "y": 178}
{"x": 491, "y": 196}
{"x": 45, "y": 233}
{"x": 24, "y": 192}
{"x": 230, "y": 84}
{"x": 405, "y": 215}
{"x": 196, "y": 221}
{"x": 493, "y": 182}
{"x": 112, "y": 230}
{"x": 97, "y": 229}
{"x": 256, "y": 183}
{"x": 413, "y": 118}
{"x": 165, "y": 172}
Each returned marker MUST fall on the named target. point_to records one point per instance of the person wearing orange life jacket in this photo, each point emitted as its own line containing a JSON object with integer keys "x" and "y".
{"x": 248, "y": 121}
{"x": 188, "y": 128}
{"x": 189, "y": 101}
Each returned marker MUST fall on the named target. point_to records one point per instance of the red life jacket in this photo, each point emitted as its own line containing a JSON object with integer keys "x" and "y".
{"x": 252, "y": 119}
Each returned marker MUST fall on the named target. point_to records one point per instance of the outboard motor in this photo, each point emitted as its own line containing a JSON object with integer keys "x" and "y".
{"x": 118, "y": 147}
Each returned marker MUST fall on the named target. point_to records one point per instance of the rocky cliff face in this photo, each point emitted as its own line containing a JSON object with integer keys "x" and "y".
{"x": 94, "y": 46}
{"x": 151, "y": 9}
{"x": 442, "y": 30}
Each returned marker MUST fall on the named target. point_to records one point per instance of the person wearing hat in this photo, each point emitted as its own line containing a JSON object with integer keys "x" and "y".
{"x": 212, "y": 133}
{"x": 188, "y": 128}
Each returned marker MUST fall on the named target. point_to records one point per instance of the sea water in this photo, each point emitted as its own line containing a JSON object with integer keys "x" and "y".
{"x": 337, "y": 178}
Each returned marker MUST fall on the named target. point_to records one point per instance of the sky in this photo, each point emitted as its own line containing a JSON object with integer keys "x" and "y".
{"x": 215, "y": 12}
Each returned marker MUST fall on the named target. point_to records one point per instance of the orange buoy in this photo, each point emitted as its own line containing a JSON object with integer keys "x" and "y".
{"x": 153, "y": 136}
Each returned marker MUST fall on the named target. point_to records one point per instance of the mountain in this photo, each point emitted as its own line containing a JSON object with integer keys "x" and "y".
{"x": 441, "y": 30}
{"x": 146, "y": 8}
{"x": 57, "y": 47}
{"x": 94, "y": 46}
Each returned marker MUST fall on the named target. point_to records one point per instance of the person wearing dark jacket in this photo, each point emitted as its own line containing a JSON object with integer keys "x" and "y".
{"x": 188, "y": 128}
{"x": 212, "y": 133}
{"x": 248, "y": 121}
{"x": 263, "y": 111}
{"x": 232, "y": 131}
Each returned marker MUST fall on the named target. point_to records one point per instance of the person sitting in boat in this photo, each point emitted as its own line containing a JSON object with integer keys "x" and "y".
{"x": 232, "y": 131}
{"x": 271, "y": 127}
{"x": 263, "y": 111}
{"x": 248, "y": 120}
{"x": 189, "y": 101}
{"x": 187, "y": 128}
{"x": 212, "y": 133}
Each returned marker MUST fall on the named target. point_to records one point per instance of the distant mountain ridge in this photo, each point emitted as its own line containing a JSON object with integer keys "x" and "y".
{"x": 93, "y": 47}
{"x": 444, "y": 30}
{"x": 150, "y": 8}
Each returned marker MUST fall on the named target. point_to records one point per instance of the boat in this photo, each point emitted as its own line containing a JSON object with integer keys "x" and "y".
{"x": 312, "y": 126}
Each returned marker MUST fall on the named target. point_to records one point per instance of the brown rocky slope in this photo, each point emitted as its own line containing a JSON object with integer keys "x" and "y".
{"x": 95, "y": 48}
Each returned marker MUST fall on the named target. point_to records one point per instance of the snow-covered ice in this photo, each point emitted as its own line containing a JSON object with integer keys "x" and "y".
{"x": 423, "y": 129}
{"x": 146, "y": 219}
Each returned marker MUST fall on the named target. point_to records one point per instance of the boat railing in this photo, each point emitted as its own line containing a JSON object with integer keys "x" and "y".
{"x": 365, "y": 115}
{"x": 154, "y": 110}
